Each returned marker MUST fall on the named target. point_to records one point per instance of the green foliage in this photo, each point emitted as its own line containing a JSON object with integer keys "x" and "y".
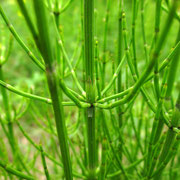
{"x": 89, "y": 89}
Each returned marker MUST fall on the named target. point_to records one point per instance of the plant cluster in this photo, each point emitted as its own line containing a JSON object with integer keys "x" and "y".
{"x": 119, "y": 115}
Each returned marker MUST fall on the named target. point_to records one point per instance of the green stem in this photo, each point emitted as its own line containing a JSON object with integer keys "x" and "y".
{"x": 19, "y": 40}
{"x": 8, "y": 114}
{"x": 90, "y": 83}
{"x": 173, "y": 69}
{"x": 119, "y": 58}
{"x": 150, "y": 66}
{"x": 156, "y": 34}
{"x": 28, "y": 21}
{"x": 114, "y": 77}
{"x": 52, "y": 79}
{"x": 15, "y": 172}
{"x": 170, "y": 138}
{"x": 134, "y": 12}
{"x": 106, "y": 20}
{"x": 143, "y": 31}
{"x": 44, "y": 163}
{"x": 43, "y": 99}
{"x": 134, "y": 164}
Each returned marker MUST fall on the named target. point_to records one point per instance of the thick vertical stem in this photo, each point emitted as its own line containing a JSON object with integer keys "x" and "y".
{"x": 84, "y": 84}
{"x": 120, "y": 47}
{"x": 172, "y": 72}
{"x": 156, "y": 34}
{"x": 105, "y": 43}
{"x": 90, "y": 89}
{"x": 56, "y": 93}
{"x": 143, "y": 31}
{"x": 91, "y": 141}
{"x": 119, "y": 59}
{"x": 134, "y": 10}
{"x": 89, "y": 47}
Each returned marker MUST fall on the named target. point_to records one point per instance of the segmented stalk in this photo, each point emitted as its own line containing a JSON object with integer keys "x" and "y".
{"x": 172, "y": 72}
{"x": 172, "y": 152}
{"x": 55, "y": 92}
{"x": 90, "y": 83}
{"x": 19, "y": 40}
{"x": 134, "y": 14}
{"x": 158, "y": 122}
{"x": 156, "y": 34}
{"x": 157, "y": 152}
{"x": 103, "y": 159}
{"x": 143, "y": 31}
{"x": 170, "y": 138}
{"x": 44, "y": 163}
{"x": 15, "y": 172}
{"x": 106, "y": 20}
{"x": 150, "y": 66}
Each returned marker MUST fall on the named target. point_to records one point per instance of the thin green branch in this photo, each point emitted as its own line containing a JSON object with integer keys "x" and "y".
{"x": 15, "y": 172}
{"x": 19, "y": 40}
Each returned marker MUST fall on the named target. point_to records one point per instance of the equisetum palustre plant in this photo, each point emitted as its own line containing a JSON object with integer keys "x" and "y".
{"x": 119, "y": 126}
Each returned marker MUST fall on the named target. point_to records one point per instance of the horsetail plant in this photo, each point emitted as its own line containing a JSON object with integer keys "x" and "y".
{"x": 117, "y": 118}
